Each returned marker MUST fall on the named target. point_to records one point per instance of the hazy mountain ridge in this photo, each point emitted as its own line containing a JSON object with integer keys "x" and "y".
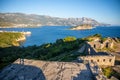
{"x": 26, "y": 20}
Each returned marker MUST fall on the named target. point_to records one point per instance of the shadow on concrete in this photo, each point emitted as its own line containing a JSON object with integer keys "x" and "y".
{"x": 102, "y": 53}
{"x": 21, "y": 72}
{"x": 85, "y": 74}
{"x": 117, "y": 62}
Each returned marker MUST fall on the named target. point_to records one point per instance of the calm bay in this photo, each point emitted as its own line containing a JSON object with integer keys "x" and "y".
{"x": 48, "y": 34}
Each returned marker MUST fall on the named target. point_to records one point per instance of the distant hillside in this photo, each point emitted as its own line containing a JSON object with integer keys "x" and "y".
{"x": 33, "y": 20}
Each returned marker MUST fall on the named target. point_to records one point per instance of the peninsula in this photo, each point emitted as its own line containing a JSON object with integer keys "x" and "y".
{"x": 9, "y": 39}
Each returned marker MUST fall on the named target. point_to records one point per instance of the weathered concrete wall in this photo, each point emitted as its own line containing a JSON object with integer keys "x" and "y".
{"x": 108, "y": 60}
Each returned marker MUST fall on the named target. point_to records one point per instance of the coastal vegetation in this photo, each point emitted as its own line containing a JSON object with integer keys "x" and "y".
{"x": 109, "y": 72}
{"x": 69, "y": 39}
{"x": 94, "y": 37}
{"x": 8, "y": 39}
{"x": 62, "y": 50}
{"x": 65, "y": 49}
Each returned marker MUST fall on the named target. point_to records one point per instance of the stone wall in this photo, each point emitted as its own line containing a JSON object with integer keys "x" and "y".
{"x": 104, "y": 60}
{"x": 109, "y": 43}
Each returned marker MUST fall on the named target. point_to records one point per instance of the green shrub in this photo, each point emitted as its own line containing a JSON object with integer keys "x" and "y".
{"x": 69, "y": 39}
{"x": 108, "y": 72}
{"x": 97, "y": 35}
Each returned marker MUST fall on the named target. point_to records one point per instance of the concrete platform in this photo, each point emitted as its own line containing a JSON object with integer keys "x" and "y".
{"x": 45, "y": 70}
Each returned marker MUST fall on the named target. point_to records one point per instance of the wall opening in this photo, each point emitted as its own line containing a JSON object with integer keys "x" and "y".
{"x": 107, "y": 45}
{"x": 103, "y": 60}
{"x": 110, "y": 60}
{"x": 91, "y": 60}
{"x": 98, "y": 60}
{"x": 94, "y": 46}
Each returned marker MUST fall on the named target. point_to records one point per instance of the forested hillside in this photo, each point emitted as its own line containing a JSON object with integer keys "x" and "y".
{"x": 62, "y": 50}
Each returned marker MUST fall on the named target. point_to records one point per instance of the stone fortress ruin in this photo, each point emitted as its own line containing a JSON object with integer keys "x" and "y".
{"x": 88, "y": 69}
{"x": 95, "y": 54}
{"x": 98, "y": 56}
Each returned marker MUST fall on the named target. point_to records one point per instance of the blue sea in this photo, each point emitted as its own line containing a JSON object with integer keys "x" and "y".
{"x": 48, "y": 34}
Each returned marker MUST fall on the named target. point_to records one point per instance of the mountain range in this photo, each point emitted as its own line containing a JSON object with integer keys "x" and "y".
{"x": 33, "y": 20}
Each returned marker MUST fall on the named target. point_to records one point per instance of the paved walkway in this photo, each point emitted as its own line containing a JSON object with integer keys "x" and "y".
{"x": 81, "y": 50}
{"x": 45, "y": 70}
{"x": 92, "y": 51}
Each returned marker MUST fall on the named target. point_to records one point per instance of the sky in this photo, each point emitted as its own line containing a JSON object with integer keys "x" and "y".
{"x": 106, "y": 11}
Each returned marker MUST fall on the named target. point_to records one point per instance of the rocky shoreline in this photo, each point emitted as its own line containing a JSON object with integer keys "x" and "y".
{"x": 20, "y": 40}
{"x": 23, "y": 38}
